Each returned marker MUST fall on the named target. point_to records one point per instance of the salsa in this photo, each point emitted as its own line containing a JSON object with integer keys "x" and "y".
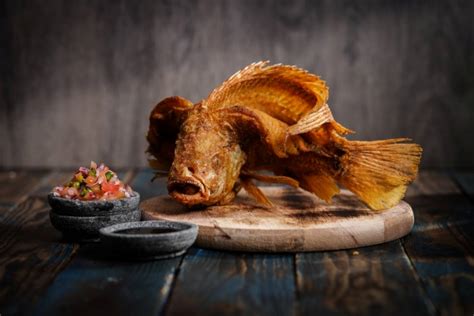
{"x": 93, "y": 183}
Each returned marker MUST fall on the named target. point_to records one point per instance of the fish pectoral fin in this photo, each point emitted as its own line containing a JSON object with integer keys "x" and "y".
{"x": 315, "y": 119}
{"x": 268, "y": 131}
{"x": 312, "y": 120}
{"x": 272, "y": 179}
{"x": 159, "y": 174}
{"x": 158, "y": 165}
{"x": 254, "y": 191}
{"x": 324, "y": 186}
{"x": 160, "y": 169}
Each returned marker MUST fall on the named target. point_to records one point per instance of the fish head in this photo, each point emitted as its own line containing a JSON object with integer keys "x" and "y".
{"x": 207, "y": 161}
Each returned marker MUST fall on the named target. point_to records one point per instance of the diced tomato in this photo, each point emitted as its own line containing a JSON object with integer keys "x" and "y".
{"x": 91, "y": 180}
{"x": 96, "y": 188}
{"x": 110, "y": 187}
{"x": 91, "y": 196}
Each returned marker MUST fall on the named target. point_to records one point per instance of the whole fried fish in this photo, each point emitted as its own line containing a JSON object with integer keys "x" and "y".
{"x": 273, "y": 118}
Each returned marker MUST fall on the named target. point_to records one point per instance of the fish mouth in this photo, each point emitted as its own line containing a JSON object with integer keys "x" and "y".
{"x": 188, "y": 190}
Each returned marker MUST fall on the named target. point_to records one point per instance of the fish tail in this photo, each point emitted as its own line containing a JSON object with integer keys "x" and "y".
{"x": 378, "y": 172}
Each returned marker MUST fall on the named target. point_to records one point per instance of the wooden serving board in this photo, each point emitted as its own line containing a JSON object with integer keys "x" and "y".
{"x": 299, "y": 221}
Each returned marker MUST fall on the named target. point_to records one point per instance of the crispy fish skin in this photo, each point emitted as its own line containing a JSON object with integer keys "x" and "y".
{"x": 273, "y": 118}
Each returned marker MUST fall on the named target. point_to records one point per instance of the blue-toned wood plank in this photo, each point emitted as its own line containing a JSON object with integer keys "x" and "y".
{"x": 95, "y": 285}
{"x": 224, "y": 283}
{"x": 30, "y": 253}
{"x": 376, "y": 280}
{"x": 15, "y": 185}
{"x": 441, "y": 244}
{"x": 466, "y": 182}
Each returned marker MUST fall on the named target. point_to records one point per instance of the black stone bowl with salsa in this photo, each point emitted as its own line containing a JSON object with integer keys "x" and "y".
{"x": 92, "y": 199}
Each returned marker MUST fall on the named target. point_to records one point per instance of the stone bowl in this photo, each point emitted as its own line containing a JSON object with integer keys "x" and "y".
{"x": 86, "y": 228}
{"x": 79, "y": 208}
{"x": 149, "y": 240}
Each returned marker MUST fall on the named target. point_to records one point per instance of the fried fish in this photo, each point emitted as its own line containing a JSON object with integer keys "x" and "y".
{"x": 272, "y": 118}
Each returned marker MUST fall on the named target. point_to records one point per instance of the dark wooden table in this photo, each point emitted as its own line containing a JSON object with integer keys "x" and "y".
{"x": 429, "y": 272}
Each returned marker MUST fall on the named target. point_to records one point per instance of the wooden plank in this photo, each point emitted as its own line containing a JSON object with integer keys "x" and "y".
{"x": 440, "y": 246}
{"x": 366, "y": 281}
{"x": 225, "y": 283}
{"x": 16, "y": 184}
{"x": 30, "y": 255}
{"x": 466, "y": 182}
{"x": 462, "y": 228}
{"x": 94, "y": 285}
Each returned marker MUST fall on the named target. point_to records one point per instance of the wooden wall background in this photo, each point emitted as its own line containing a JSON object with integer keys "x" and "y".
{"x": 78, "y": 78}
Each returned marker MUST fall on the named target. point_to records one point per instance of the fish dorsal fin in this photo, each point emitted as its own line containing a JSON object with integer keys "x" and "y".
{"x": 286, "y": 93}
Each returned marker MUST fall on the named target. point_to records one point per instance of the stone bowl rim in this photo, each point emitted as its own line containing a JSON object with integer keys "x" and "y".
{"x": 94, "y": 217}
{"x": 185, "y": 227}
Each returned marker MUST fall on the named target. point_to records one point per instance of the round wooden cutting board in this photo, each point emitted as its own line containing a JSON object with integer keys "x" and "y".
{"x": 298, "y": 222}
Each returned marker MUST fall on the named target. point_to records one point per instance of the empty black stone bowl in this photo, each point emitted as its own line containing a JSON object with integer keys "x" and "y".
{"x": 86, "y": 228}
{"x": 148, "y": 240}
{"x": 71, "y": 207}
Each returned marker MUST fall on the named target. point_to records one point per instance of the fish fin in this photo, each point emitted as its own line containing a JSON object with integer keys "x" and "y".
{"x": 340, "y": 129}
{"x": 323, "y": 185}
{"x": 165, "y": 122}
{"x": 284, "y": 92}
{"x": 254, "y": 191}
{"x": 158, "y": 165}
{"x": 159, "y": 174}
{"x": 315, "y": 119}
{"x": 255, "y": 125}
{"x": 271, "y": 179}
{"x": 378, "y": 172}
{"x": 312, "y": 120}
